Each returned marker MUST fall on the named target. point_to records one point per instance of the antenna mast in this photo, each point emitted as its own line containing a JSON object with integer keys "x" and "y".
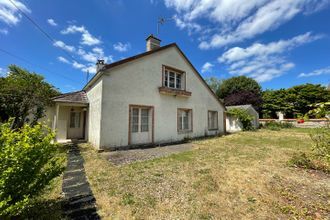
{"x": 161, "y": 21}
{"x": 87, "y": 76}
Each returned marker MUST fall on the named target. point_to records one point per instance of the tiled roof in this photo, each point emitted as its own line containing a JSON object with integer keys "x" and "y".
{"x": 72, "y": 97}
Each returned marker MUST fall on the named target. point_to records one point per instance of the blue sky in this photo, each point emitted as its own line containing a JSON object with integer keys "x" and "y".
{"x": 280, "y": 43}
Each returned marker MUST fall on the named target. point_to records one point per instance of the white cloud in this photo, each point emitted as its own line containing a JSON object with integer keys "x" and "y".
{"x": 263, "y": 50}
{"x": 318, "y": 72}
{"x": 3, "y": 72}
{"x": 62, "y": 45}
{"x": 78, "y": 65}
{"x": 9, "y": 14}
{"x": 51, "y": 22}
{"x": 63, "y": 60}
{"x": 4, "y": 31}
{"x": 207, "y": 67}
{"x": 264, "y": 62}
{"x": 86, "y": 37}
{"x": 237, "y": 20}
{"x": 121, "y": 47}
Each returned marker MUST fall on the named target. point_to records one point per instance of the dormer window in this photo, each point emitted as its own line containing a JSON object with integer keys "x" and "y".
{"x": 173, "y": 78}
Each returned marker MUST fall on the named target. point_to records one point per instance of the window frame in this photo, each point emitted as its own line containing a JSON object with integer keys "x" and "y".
{"x": 190, "y": 120}
{"x": 209, "y": 122}
{"x": 73, "y": 124}
{"x": 177, "y": 72}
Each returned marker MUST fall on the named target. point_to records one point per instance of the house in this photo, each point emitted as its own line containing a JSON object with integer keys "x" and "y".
{"x": 152, "y": 98}
{"x": 233, "y": 124}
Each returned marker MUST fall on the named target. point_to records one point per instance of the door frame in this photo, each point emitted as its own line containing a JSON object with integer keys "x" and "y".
{"x": 150, "y": 107}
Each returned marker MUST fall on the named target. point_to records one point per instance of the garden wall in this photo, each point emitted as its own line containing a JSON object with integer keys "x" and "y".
{"x": 311, "y": 123}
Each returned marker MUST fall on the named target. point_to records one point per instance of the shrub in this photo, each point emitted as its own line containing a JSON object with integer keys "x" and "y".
{"x": 243, "y": 116}
{"x": 28, "y": 162}
{"x": 276, "y": 126}
{"x": 321, "y": 143}
{"x": 301, "y": 160}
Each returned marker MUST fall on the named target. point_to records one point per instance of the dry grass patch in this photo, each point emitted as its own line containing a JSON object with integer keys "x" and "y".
{"x": 243, "y": 175}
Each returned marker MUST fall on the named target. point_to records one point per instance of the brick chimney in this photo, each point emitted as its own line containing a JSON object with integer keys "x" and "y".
{"x": 99, "y": 65}
{"x": 152, "y": 42}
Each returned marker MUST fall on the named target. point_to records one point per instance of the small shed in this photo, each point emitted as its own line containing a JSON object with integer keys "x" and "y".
{"x": 233, "y": 124}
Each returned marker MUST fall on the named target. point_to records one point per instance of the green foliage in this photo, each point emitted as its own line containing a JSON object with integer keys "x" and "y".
{"x": 301, "y": 160}
{"x": 243, "y": 116}
{"x": 293, "y": 101}
{"x": 241, "y": 84}
{"x": 23, "y": 93}
{"x": 214, "y": 83}
{"x": 320, "y": 110}
{"x": 321, "y": 143}
{"x": 28, "y": 162}
{"x": 276, "y": 126}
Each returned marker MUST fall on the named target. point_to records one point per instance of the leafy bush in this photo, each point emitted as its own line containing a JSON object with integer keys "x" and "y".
{"x": 321, "y": 143}
{"x": 243, "y": 116}
{"x": 301, "y": 160}
{"x": 28, "y": 162}
{"x": 276, "y": 126}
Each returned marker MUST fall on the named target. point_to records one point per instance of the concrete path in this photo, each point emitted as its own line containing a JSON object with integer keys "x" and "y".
{"x": 79, "y": 199}
{"x": 129, "y": 156}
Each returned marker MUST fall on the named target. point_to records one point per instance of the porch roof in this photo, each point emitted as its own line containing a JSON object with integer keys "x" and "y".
{"x": 78, "y": 97}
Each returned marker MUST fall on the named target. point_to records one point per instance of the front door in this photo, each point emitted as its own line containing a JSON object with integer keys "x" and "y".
{"x": 141, "y": 125}
{"x": 76, "y": 125}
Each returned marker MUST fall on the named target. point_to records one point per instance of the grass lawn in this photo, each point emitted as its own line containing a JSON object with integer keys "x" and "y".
{"x": 244, "y": 175}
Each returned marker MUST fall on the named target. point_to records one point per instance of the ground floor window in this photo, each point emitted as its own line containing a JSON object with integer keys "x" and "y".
{"x": 75, "y": 119}
{"x": 184, "y": 119}
{"x": 140, "y": 120}
{"x": 212, "y": 120}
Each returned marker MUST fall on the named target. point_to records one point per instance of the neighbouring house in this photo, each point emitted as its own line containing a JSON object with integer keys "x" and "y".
{"x": 152, "y": 98}
{"x": 233, "y": 124}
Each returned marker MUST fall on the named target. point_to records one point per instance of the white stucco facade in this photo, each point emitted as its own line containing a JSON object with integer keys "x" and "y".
{"x": 133, "y": 86}
{"x": 137, "y": 83}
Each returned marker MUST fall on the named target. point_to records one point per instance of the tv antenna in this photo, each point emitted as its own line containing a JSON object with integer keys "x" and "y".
{"x": 161, "y": 21}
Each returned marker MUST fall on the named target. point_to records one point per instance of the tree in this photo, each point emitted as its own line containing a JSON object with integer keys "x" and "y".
{"x": 294, "y": 101}
{"x": 303, "y": 96}
{"x": 276, "y": 101}
{"x": 233, "y": 88}
{"x": 214, "y": 83}
{"x": 28, "y": 162}
{"x": 23, "y": 93}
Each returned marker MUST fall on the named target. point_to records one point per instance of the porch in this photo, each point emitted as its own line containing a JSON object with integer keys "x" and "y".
{"x": 70, "y": 117}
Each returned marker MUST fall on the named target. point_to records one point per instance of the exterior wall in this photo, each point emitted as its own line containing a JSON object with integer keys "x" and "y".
{"x": 233, "y": 125}
{"x": 137, "y": 83}
{"x": 94, "y": 95}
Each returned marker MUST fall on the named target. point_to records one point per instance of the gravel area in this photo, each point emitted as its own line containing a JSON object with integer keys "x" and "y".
{"x": 130, "y": 156}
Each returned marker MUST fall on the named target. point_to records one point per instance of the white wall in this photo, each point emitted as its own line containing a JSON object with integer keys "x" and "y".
{"x": 137, "y": 83}
{"x": 94, "y": 95}
{"x": 233, "y": 125}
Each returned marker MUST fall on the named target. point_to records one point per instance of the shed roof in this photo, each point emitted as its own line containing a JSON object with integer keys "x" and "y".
{"x": 72, "y": 97}
{"x": 239, "y": 106}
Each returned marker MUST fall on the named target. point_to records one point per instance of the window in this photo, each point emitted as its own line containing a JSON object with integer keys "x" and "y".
{"x": 213, "y": 120}
{"x": 144, "y": 120}
{"x": 135, "y": 120}
{"x": 173, "y": 78}
{"x": 184, "y": 120}
{"x": 140, "y": 120}
{"x": 75, "y": 120}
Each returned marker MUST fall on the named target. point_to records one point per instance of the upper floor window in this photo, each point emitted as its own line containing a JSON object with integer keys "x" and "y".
{"x": 173, "y": 78}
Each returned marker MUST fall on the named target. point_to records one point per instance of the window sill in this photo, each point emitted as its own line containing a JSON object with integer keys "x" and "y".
{"x": 213, "y": 129}
{"x": 174, "y": 92}
{"x": 184, "y": 131}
